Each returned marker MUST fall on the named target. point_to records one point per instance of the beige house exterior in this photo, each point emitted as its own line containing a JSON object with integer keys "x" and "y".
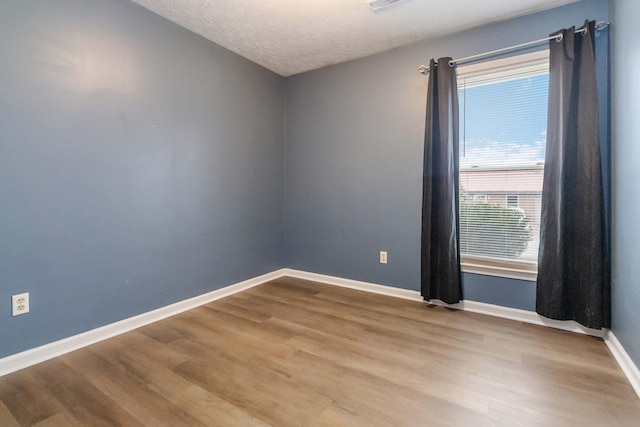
{"x": 519, "y": 187}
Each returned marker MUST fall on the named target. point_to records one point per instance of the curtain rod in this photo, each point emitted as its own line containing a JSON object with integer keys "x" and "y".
{"x": 599, "y": 26}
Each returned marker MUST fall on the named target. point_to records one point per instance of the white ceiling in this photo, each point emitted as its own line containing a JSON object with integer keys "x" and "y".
{"x": 293, "y": 36}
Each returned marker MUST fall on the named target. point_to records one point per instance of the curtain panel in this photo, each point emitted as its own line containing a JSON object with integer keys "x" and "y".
{"x": 573, "y": 277}
{"x": 440, "y": 243}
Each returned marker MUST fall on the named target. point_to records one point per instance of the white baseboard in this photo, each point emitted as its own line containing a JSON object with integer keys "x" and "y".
{"x": 473, "y": 306}
{"x": 529, "y": 317}
{"x": 57, "y": 348}
{"x": 355, "y": 284}
{"x": 624, "y": 360}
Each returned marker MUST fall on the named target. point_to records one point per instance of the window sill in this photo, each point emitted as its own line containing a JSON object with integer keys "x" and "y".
{"x": 499, "y": 271}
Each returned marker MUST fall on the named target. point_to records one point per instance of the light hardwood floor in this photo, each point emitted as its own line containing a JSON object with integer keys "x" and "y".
{"x": 297, "y": 353}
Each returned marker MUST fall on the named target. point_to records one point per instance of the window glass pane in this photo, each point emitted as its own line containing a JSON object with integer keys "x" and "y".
{"x": 512, "y": 201}
{"x": 503, "y": 121}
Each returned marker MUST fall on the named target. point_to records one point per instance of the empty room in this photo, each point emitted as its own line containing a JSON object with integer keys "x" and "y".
{"x": 330, "y": 213}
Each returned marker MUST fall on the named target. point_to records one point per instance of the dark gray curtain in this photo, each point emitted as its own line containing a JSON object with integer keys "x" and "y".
{"x": 440, "y": 253}
{"x": 572, "y": 265}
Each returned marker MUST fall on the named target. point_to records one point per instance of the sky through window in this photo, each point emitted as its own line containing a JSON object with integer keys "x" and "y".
{"x": 504, "y": 123}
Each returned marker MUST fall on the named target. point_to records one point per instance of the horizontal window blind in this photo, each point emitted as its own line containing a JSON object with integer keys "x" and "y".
{"x": 503, "y": 116}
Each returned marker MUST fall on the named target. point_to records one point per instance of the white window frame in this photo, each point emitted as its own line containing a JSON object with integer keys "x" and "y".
{"x": 490, "y": 70}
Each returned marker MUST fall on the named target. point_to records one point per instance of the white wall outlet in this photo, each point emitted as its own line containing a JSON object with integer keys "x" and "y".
{"x": 20, "y": 304}
{"x": 383, "y": 257}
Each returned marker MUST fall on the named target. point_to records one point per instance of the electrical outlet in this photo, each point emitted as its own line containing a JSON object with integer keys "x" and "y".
{"x": 20, "y": 304}
{"x": 383, "y": 257}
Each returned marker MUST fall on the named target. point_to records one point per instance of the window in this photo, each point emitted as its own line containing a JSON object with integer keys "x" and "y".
{"x": 503, "y": 122}
{"x": 513, "y": 201}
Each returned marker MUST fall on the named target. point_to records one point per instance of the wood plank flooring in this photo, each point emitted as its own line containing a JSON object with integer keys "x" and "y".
{"x": 298, "y": 353}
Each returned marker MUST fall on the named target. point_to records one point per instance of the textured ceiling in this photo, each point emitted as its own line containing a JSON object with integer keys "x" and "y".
{"x": 293, "y": 36}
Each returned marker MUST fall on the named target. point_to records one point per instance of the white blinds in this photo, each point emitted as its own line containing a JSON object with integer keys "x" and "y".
{"x": 503, "y": 113}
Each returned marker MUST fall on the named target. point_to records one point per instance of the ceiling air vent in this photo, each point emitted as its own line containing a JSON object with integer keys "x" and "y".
{"x": 376, "y": 5}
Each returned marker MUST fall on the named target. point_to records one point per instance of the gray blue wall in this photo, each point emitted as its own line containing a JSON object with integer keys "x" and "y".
{"x": 139, "y": 165}
{"x": 626, "y": 175}
{"x": 354, "y": 136}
